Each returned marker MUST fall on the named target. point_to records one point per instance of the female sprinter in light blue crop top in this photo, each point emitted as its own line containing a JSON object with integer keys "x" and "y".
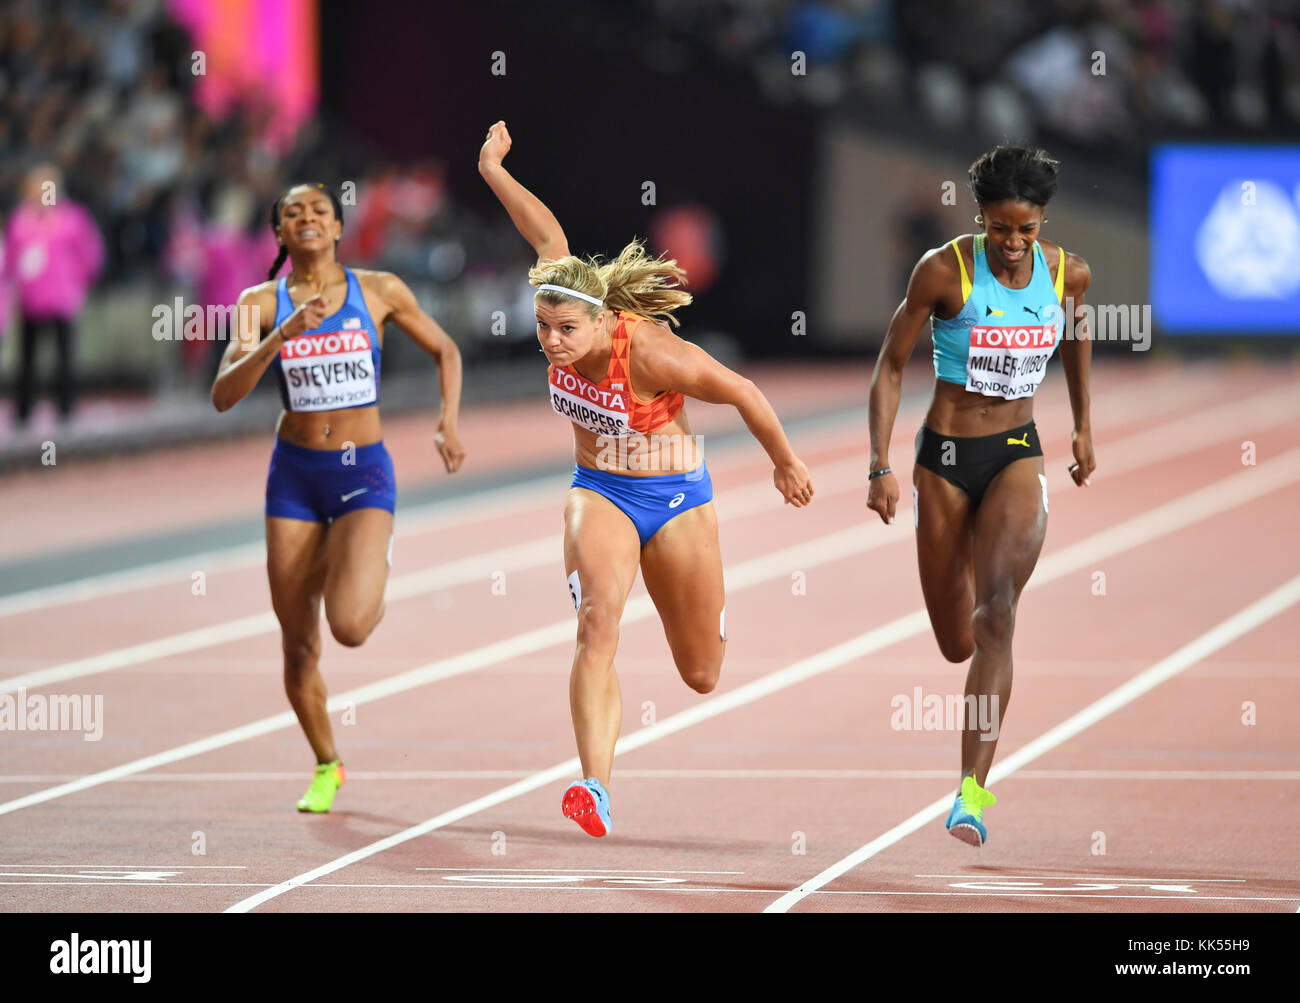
{"x": 979, "y": 493}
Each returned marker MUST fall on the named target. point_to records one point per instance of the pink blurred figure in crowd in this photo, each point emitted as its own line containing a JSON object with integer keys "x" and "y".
{"x": 53, "y": 253}
{"x": 222, "y": 259}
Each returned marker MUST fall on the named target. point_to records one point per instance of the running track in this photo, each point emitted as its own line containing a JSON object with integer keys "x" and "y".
{"x": 786, "y": 788}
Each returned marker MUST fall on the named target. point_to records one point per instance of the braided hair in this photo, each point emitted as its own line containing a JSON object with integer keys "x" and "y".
{"x": 275, "y": 219}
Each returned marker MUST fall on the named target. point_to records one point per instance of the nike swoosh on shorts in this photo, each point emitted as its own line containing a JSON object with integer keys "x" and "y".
{"x": 352, "y": 494}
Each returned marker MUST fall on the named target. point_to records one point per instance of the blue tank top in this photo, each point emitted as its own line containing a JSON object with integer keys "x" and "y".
{"x": 335, "y": 366}
{"x": 999, "y": 343}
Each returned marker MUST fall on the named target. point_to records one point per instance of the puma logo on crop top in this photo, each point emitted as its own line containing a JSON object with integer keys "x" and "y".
{"x": 993, "y": 347}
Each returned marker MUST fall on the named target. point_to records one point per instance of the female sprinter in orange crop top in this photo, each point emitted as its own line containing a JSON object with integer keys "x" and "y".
{"x": 641, "y": 494}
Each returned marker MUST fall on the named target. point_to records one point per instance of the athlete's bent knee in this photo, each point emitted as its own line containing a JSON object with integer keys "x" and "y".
{"x": 351, "y": 629}
{"x": 597, "y": 625}
{"x": 956, "y": 650}
{"x": 301, "y": 654}
{"x": 701, "y": 675}
{"x": 992, "y": 622}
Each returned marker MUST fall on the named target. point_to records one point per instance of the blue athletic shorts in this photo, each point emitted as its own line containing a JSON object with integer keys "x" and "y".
{"x": 319, "y": 485}
{"x": 648, "y": 501}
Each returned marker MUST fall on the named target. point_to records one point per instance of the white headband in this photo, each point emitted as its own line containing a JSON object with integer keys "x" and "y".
{"x": 574, "y": 292}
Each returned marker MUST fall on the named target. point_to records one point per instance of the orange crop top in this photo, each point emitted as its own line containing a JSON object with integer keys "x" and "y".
{"x": 610, "y": 407}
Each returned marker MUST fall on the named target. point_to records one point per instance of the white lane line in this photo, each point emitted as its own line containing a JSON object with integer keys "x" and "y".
{"x": 736, "y": 503}
{"x": 1078, "y": 895}
{"x": 481, "y": 506}
{"x": 565, "y": 870}
{"x": 1087, "y": 877}
{"x": 637, "y": 889}
{"x": 774, "y": 774}
{"x": 1166, "y": 393}
{"x": 1191, "y": 508}
{"x": 1218, "y": 637}
{"x": 777, "y": 564}
{"x": 151, "y": 867}
{"x": 555, "y": 887}
{"x": 489, "y": 503}
{"x": 1161, "y": 443}
{"x": 1204, "y": 503}
{"x": 127, "y": 877}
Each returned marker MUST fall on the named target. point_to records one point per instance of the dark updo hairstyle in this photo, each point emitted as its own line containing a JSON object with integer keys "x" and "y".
{"x": 1014, "y": 172}
{"x": 275, "y": 218}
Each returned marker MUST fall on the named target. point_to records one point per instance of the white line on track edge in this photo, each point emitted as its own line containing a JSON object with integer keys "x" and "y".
{"x": 1236, "y": 626}
{"x": 1155, "y": 523}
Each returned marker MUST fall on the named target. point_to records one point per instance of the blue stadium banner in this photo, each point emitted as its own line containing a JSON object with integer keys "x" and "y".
{"x": 1225, "y": 239}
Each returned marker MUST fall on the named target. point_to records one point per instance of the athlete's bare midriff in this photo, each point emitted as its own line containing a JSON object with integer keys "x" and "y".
{"x": 330, "y": 429}
{"x": 956, "y": 411}
{"x": 669, "y": 449}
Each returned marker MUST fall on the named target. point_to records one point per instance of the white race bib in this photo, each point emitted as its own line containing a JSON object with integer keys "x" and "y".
{"x": 1008, "y": 362}
{"x": 598, "y": 409}
{"x": 327, "y": 371}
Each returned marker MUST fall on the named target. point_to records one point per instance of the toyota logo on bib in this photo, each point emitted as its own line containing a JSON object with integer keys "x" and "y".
{"x": 677, "y": 499}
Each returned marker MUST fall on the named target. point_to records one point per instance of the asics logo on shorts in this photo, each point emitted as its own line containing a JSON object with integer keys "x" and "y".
{"x": 677, "y": 499}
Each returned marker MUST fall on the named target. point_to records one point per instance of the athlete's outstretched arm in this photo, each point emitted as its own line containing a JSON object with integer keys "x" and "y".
{"x": 405, "y": 312}
{"x": 924, "y": 290}
{"x": 663, "y": 361}
{"x": 1076, "y": 359}
{"x": 248, "y": 354}
{"x": 534, "y": 221}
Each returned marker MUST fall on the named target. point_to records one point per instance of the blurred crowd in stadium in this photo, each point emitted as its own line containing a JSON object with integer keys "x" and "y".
{"x": 100, "y": 96}
{"x": 1018, "y": 67}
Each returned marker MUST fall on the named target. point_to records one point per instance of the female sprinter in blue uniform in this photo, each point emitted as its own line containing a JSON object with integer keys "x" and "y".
{"x": 330, "y": 491}
{"x": 979, "y": 491}
{"x": 641, "y": 494}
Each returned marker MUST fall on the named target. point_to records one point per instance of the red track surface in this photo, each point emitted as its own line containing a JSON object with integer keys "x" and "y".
{"x": 1196, "y": 810}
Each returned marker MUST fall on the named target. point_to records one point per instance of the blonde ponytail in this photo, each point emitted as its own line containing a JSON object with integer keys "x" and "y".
{"x": 631, "y": 283}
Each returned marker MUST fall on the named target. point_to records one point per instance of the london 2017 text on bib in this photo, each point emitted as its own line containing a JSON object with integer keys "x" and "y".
{"x": 324, "y": 371}
{"x": 1008, "y": 362}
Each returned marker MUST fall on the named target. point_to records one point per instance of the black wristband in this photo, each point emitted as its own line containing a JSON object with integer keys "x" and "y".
{"x": 879, "y": 473}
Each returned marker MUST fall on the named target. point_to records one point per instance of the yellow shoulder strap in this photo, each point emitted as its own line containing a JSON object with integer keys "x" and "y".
{"x": 1060, "y": 277}
{"x": 965, "y": 279}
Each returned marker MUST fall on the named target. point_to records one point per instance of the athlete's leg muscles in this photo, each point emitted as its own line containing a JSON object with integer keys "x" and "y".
{"x": 944, "y": 527}
{"x": 295, "y": 566}
{"x": 356, "y": 546}
{"x": 681, "y": 566}
{"x": 602, "y": 546}
{"x": 1009, "y": 529}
